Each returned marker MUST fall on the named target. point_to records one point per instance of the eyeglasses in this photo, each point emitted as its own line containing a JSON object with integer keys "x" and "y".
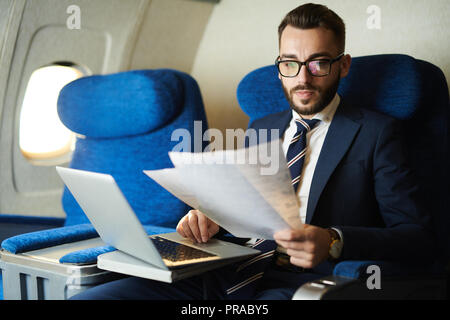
{"x": 315, "y": 67}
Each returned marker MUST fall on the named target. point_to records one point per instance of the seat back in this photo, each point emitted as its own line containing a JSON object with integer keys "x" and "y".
{"x": 411, "y": 90}
{"x": 125, "y": 123}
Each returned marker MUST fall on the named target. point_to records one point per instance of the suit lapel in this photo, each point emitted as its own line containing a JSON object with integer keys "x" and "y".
{"x": 339, "y": 137}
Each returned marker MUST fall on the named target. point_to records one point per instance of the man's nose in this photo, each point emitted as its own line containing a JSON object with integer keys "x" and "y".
{"x": 303, "y": 75}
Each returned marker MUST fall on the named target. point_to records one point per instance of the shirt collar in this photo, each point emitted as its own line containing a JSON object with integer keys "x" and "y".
{"x": 327, "y": 114}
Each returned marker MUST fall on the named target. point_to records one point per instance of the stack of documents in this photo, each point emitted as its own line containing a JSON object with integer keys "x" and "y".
{"x": 248, "y": 192}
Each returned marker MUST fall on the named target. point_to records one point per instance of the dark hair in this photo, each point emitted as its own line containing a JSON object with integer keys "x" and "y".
{"x": 309, "y": 16}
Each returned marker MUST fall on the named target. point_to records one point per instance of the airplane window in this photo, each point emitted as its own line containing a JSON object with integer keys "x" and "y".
{"x": 43, "y": 139}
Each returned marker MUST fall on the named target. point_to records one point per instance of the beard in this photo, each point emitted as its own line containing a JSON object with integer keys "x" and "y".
{"x": 325, "y": 97}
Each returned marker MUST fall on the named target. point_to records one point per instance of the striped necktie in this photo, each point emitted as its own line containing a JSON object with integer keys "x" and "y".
{"x": 297, "y": 149}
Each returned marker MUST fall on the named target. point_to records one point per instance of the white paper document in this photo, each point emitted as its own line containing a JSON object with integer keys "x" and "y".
{"x": 248, "y": 191}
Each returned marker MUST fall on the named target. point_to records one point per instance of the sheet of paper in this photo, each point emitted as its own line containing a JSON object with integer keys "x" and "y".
{"x": 247, "y": 197}
{"x": 169, "y": 180}
{"x": 274, "y": 184}
{"x": 227, "y": 198}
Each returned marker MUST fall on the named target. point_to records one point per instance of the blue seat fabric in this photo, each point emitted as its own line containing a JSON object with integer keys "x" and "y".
{"x": 49, "y": 238}
{"x": 125, "y": 157}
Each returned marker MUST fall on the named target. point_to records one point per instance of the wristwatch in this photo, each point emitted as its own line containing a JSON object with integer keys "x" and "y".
{"x": 335, "y": 245}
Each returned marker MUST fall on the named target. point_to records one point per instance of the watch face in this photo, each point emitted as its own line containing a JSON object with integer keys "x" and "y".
{"x": 336, "y": 248}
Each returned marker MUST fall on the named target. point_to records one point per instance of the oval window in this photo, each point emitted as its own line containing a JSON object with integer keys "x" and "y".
{"x": 43, "y": 139}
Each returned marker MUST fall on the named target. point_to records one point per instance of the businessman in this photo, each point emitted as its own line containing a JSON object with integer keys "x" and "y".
{"x": 358, "y": 198}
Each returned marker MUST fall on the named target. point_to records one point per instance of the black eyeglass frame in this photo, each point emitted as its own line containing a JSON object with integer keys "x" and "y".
{"x": 305, "y": 63}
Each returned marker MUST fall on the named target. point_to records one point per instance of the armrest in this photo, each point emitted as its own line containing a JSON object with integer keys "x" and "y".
{"x": 397, "y": 281}
{"x": 359, "y": 269}
{"x": 394, "y": 288}
{"x": 320, "y": 288}
{"x": 85, "y": 256}
{"x": 48, "y": 238}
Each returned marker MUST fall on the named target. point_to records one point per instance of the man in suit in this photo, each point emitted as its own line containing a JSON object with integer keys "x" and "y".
{"x": 358, "y": 199}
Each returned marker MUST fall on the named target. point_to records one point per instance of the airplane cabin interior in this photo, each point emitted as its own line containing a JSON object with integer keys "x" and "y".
{"x": 114, "y": 86}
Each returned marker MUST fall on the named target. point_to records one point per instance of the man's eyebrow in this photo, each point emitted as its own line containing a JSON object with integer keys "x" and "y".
{"x": 314, "y": 55}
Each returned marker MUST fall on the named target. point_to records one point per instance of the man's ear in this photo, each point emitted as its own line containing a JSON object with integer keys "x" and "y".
{"x": 346, "y": 61}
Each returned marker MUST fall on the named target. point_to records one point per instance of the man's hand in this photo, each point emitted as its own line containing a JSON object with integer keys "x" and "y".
{"x": 197, "y": 227}
{"x": 307, "y": 247}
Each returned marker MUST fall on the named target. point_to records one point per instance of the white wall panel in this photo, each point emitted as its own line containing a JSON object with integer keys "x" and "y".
{"x": 38, "y": 35}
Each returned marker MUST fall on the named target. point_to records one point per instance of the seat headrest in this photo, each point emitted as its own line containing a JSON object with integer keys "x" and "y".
{"x": 260, "y": 93}
{"x": 120, "y": 104}
{"x": 390, "y": 83}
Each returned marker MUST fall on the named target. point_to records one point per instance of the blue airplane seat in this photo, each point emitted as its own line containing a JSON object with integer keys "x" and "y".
{"x": 129, "y": 131}
{"x": 124, "y": 122}
{"x": 408, "y": 89}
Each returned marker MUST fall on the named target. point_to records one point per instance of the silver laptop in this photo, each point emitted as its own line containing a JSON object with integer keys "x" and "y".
{"x": 110, "y": 213}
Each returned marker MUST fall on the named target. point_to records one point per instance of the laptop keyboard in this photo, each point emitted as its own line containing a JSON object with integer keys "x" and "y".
{"x": 176, "y": 252}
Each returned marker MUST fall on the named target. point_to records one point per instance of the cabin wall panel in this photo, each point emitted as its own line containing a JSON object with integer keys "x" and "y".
{"x": 170, "y": 34}
{"x": 37, "y": 34}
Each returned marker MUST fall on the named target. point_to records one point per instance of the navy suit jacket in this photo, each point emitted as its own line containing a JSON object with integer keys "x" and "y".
{"x": 363, "y": 185}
